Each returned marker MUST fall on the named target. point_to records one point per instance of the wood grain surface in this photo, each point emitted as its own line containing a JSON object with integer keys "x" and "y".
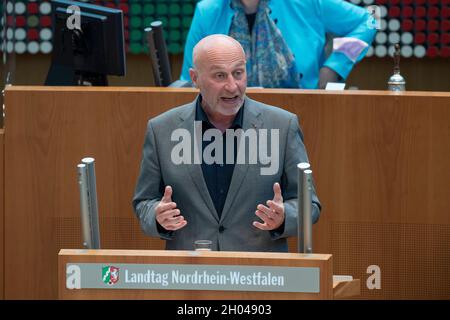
{"x": 380, "y": 161}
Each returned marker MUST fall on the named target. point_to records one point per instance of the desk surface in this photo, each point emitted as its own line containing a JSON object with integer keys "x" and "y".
{"x": 249, "y": 91}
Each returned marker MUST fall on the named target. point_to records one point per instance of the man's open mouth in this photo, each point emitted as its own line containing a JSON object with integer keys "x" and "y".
{"x": 230, "y": 100}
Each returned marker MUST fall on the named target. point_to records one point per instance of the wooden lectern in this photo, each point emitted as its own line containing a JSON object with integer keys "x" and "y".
{"x": 106, "y": 272}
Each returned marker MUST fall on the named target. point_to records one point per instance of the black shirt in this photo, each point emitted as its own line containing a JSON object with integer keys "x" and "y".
{"x": 217, "y": 176}
{"x": 251, "y": 21}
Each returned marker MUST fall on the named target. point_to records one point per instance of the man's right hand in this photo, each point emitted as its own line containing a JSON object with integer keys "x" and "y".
{"x": 167, "y": 214}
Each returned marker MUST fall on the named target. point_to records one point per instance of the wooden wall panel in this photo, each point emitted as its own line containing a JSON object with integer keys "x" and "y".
{"x": 380, "y": 163}
{"x": 51, "y": 131}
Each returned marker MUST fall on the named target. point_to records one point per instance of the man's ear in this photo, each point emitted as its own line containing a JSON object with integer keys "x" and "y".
{"x": 194, "y": 76}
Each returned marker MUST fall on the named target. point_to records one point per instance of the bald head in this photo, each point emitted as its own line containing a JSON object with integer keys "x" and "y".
{"x": 219, "y": 73}
{"x": 216, "y": 48}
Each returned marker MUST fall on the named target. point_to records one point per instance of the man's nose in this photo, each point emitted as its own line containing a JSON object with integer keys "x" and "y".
{"x": 231, "y": 84}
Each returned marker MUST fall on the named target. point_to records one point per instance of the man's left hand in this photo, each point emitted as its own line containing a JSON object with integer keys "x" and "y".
{"x": 273, "y": 214}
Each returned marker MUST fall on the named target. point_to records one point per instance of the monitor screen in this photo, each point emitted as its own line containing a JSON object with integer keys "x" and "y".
{"x": 88, "y": 44}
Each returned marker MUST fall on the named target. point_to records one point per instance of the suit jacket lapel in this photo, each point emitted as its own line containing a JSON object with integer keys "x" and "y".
{"x": 187, "y": 118}
{"x": 252, "y": 120}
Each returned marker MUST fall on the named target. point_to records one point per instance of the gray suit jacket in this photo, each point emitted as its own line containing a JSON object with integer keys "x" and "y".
{"x": 234, "y": 230}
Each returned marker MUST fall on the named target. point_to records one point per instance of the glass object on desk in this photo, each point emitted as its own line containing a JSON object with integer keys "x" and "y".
{"x": 203, "y": 245}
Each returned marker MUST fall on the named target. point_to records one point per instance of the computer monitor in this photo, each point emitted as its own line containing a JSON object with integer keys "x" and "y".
{"x": 88, "y": 44}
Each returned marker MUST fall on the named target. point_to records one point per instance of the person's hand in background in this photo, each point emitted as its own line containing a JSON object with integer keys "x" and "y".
{"x": 327, "y": 75}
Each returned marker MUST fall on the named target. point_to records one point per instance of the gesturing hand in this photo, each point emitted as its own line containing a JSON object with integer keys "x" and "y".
{"x": 273, "y": 215}
{"x": 167, "y": 214}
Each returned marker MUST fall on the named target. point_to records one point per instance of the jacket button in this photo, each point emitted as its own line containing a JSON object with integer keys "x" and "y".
{"x": 221, "y": 229}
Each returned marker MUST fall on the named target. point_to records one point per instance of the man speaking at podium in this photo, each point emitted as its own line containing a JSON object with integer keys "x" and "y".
{"x": 224, "y": 167}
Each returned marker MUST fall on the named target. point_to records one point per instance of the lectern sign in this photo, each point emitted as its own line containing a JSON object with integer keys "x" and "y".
{"x": 192, "y": 277}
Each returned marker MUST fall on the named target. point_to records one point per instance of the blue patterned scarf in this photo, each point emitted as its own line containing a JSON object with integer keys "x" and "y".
{"x": 270, "y": 63}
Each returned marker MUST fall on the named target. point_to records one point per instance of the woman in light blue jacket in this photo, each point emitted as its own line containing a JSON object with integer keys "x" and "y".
{"x": 284, "y": 40}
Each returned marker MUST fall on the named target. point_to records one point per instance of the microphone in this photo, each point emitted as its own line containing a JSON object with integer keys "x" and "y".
{"x": 304, "y": 221}
{"x": 158, "y": 53}
{"x": 88, "y": 202}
